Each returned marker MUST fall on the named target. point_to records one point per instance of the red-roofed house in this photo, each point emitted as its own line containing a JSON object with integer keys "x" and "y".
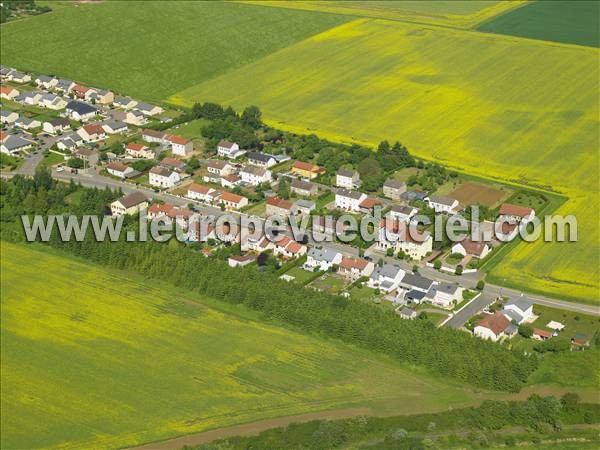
{"x": 232, "y": 201}
{"x": 307, "y": 170}
{"x": 92, "y": 132}
{"x": 119, "y": 170}
{"x": 466, "y": 247}
{"x": 399, "y": 236}
{"x": 354, "y": 268}
{"x": 8, "y": 92}
{"x": 288, "y": 248}
{"x": 139, "y": 151}
{"x": 541, "y": 335}
{"x": 492, "y": 326}
{"x": 276, "y": 206}
{"x": 516, "y": 212}
{"x": 180, "y": 145}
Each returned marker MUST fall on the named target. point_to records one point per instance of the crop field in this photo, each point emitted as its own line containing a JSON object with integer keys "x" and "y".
{"x": 152, "y": 49}
{"x": 478, "y": 194}
{"x": 490, "y": 105}
{"x": 570, "y": 22}
{"x": 93, "y": 358}
{"x": 456, "y": 13}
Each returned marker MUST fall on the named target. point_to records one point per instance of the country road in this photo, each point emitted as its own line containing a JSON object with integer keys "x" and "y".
{"x": 469, "y": 281}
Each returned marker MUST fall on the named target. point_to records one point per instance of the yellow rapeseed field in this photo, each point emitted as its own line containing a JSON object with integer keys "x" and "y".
{"x": 94, "y": 358}
{"x": 503, "y": 107}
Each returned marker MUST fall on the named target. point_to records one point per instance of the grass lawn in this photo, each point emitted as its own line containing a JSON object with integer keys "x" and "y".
{"x": 257, "y": 209}
{"x": 52, "y": 159}
{"x": 191, "y": 129}
{"x": 571, "y": 22}
{"x": 329, "y": 282}
{"x": 187, "y": 37}
{"x": 300, "y": 275}
{"x": 521, "y": 123}
{"x": 182, "y": 362}
{"x": 8, "y": 162}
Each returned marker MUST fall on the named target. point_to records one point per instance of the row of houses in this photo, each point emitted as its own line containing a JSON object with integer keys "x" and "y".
{"x": 179, "y": 145}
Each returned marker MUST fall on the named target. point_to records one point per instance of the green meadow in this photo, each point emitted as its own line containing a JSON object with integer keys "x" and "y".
{"x": 93, "y": 358}
{"x": 153, "y": 49}
{"x": 570, "y": 22}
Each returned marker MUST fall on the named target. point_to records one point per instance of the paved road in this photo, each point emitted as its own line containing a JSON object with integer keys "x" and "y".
{"x": 472, "y": 308}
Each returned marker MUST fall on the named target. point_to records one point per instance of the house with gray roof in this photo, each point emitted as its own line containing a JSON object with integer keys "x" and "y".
{"x": 7, "y": 116}
{"x": 261, "y": 159}
{"x": 322, "y": 258}
{"x": 46, "y": 82}
{"x": 65, "y": 86}
{"x": 407, "y": 313}
{"x": 13, "y": 145}
{"x": 445, "y": 295}
{"x": 386, "y": 278}
{"x": 304, "y": 206}
{"x": 414, "y": 281}
{"x": 394, "y": 189}
{"x": 80, "y": 111}
{"x": 518, "y": 309}
{"x": 348, "y": 179}
{"x": 112, "y": 126}
{"x": 304, "y": 188}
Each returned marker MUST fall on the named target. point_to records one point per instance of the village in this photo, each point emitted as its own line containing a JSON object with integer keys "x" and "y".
{"x": 85, "y": 131}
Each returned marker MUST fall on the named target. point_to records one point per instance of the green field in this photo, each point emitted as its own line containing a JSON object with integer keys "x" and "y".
{"x": 152, "y": 49}
{"x": 93, "y": 358}
{"x": 490, "y": 105}
{"x": 455, "y": 13}
{"x": 570, "y": 22}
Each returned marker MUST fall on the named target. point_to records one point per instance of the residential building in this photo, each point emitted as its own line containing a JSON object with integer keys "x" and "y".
{"x": 88, "y": 155}
{"x": 408, "y": 313}
{"x": 477, "y": 249}
{"x": 8, "y": 117}
{"x": 80, "y": 111}
{"x": 69, "y": 141}
{"x": 19, "y": 77}
{"x": 180, "y": 145}
{"x": 541, "y": 335}
{"x": 276, "y": 206}
{"x": 136, "y": 118}
{"x": 518, "y": 309}
{"x": 322, "y": 258}
{"x": 306, "y": 170}
{"x": 112, "y": 126}
{"x": 129, "y": 204}
{"x": 304, "y": 206}
{"x": 261, "y": 159}
{"x": 443, "y": 204}
{"x": 386, "y": 278}
{"x": 149, "y": 110}
{"x": 349, "y": 200}
{"x": 82, "y": 92}
{"x": 240, "y": 260}
{"x": 232, "y": 201}
{"x": 287, "y": 248}
{"x": 14, "y": 145}
{"x": 118, "y": 169}
{"x": 348, "y": 179}
{"x": 46, "y": 82}
{"x": 8, "y": 92}
{"x": 304, "y": 188}
{"x": 92, "y": 132}
{"x": 162, "y": 177}
{"x": 355, "y": 268}
{"x": 102, "y": 96}
{"x": 200, "y": 192}
{"x": 27, "y": 123}
{"x": 412, "y": 283}
{"x": 230, "y": 181}
{"x": 124, "y": 102}
{"x": 139, "y": 151}
{"x": 445, "y": 295}
{"x": 255, "y": 175}
{"x": 219, "y": 168}
{"x": 229, "y": 150}
{"x": 28, "y": 98}
{"x": 367, "y": 206}
{"x": 171, "y": 214}
{"x": 492, "y": 327}
{"x": 52, "y": 101}
{"x": 399, "y": 236}
{"x": 65, "y": 86}
{"x": 154, "y": 136}
{"x": 402, "y": 213}
{"x": 516, "y": 213}
{"x": 173, "y": 164}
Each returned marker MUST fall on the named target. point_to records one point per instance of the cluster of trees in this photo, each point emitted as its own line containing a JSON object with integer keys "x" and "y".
{"x": 444, "y": 351}
{"x": 542, "y": 415}
{"x": 430, "y": 176}
{"x": 13, "y": 8}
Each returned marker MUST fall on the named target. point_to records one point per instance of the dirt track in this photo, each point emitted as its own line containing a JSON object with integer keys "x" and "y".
{"x": 250, "y": 429}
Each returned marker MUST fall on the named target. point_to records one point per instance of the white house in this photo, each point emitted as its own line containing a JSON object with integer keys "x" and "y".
{"x": 518, "y": 309}
{"x": 219, "y": 168}
{"x": 229, "y": 150}
{"x": 46, "y": 82}
{"x": 80, "y": 111}
{"x": 69, "y": 141}
{"x": 516, "y": 213}
{"x": 28, "y": 98}
{"x": 415, "y": 287}
{"x": 354, "y": 268}
{"x": 112, "y": 126}
{"x": 19, "y": 77}
{"x": 8, "y": 92}
{"x": 124, "y": 102}
{"x": 478, "y": 249}
{"x": 163, "y": 178}
{"x": 136, "y": 118}
{"x": 55, "y": 126}
{"x": 180, "y": 145}
{"x": 394, "y": 189}
{"x": 129, "y": 204}
{"x": 304, "y": 188}
{"x": 92, "y": 132}
{"x": 261, "y": 159}
{"x": 13, "y": 145}
{"x": 231, "y": 201}
{"x": 27, "y": 123}
{"x": 154, "y": 136}
{"x": 200, "y": 192}
{"x": 348, "y": 179}
{"x": 322, "y": 258}
{"x": 397, "y": 235}
{"x": 402, "y": 213}
{"x": 288, "y": 248}
{"x": 52, "y": 101}
{"x": 349, "y": 200}
{"x": 492, "y": 327}
{"x": 119, "y": 170}
{"x": 386, "y": 278}
{"x": 139, "y": 151}
{"x": 8, "y": 117}
{"x": 445, "y": 295}
{"x": 443, "y": 204}
{"x": 149, "y": 110}
{"x": 240, "y": 260}
{"x": 254, "y": 175}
